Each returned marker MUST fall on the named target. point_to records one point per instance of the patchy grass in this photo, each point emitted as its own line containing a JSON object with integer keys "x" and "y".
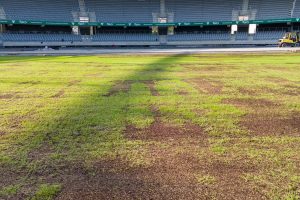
{"x": 151, "y": 126}
{"x": 47, "y": 192}
{"x": 205, "y": 180}
{"x": 9, "y": 191}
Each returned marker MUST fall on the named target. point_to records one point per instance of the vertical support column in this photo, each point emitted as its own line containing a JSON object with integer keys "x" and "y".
{"x": 2, "y": 28}
{"x": 293, "y": 8}
{"x": 163, "y": 8}
{"x": 91, "y": 30}
{"x": 82, "y": 6}
{"x": 245, "y": 7}
{"x": 75, "y": 30}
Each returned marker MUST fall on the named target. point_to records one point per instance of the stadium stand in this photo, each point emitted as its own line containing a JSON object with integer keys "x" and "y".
{"x": 123, "y": 10}
{"x": 242, "y": 36}
{"x": 54, "y": 10}
{"x": 40, "y": 37}
{"x": 124, "y": 37}
{"x": 202, "y": 10}
{"x": 143, "y": 11}
{"x": 296, "y": 10}
{"x": 268, "y": 35}
{"x": 200, "y": 36}
{"x": 270, "y": 9}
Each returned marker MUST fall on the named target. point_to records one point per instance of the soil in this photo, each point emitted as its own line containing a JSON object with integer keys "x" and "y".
{"x": 207, "y": 86}
{"x": 251, "y": 103}
{"x": 182, "y": 93}
{"x": 59, "y": 94}
{"x": 120, "y": 86}
{"x": 6, "y": 96}
{"x": 72, "y": 83}
{"x": 272, "y": 124}
{"x": 151, "y": 85}
{"x": 265, "y": 119}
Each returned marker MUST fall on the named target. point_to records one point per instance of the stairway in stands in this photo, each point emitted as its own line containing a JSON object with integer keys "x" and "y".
{"x": 245, "y": 6}
{"x": 2, "y": 13}
{"x": 82, "y": 7}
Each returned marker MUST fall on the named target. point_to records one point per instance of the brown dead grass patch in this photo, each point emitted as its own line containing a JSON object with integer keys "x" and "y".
{"x": 114, "y": 180}
{"x": 182, "y": 92}
{"x": 208, "y": 67}
{"x": 30, "y": 82}
{"x": 6, "y": 96}
{"x": 74, "y": 82}
{"x": 94, "y": 75}
{"x": 59, "y": 94}
{"x": 151, "y": 86}
{"x": 120, "y": 86}
{"x": 200, "y": 112}
{"x": 264, "y": 118}
{"x": 15, "y": 122}
{"x": 247, "y": 91}
{"x": 270, "y": 123}
{"x": 2, "y": 133}
{"x": 291, "y": 90}
{"x": 278, "y": 80}
{"x": 159, "y": 130}
{"x": 229, "y": 183}
{"x": 171, "y": 176}
{"x": 207, "y": 86}
{"x": 250, "y": 103}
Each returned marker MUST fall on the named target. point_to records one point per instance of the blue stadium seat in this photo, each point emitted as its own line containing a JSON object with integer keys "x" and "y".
{"x": 219, "y": 36}
{"x": 40, "y": 37}
{"x": 125, "y": 37}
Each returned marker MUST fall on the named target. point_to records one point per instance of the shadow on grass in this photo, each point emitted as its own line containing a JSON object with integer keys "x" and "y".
{"x": 63, "y": 145}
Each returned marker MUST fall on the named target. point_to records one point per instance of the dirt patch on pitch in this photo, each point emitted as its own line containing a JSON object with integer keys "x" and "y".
{"x": 115, "y": 180}
{"x": 6, "y": 96}
{"x": 228, "y": 179}
{"x": 250, "y": 103}
{"x": 30, "y": 82}
{"x": 59, "y": 94}
{"x": 159, "y": 130}
{"x": 120, "y": 86}
{"x": 171, "y": 176}
{"x": 207, "y": 86}
{"x": 151, "y": 86}
{"x": 278, "y": 80}
{"x": 2, "y": 133}
{"x": 271, "y": 123}
{"x": 183, "y": 93}
{"x": 247, "y": 91}
{"x": 74, "y": 82}
{"x": 265, "y": 117}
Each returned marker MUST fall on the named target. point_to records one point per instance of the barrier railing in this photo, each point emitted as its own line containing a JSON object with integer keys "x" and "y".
{"x": 129, "y": 24}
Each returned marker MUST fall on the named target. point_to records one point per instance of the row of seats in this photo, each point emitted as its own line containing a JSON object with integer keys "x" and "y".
{"x": 268, "y": 35}
{"x": 40, "y": 37}
{"x": 200, "y": 37}
{"x": 273, "y": 9}
{"x": 219, "y": 36}
{"x": 125, "y": 37}
{"x": 142, "y": 10}
{"x": 202, "y": 10}
{"x": 54, "y": 10}
{"x": 123, "y": 10}
{"x": 14, "y": 37}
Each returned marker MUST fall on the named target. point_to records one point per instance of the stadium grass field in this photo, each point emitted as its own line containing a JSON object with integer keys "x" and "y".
{"x": 150, "y": 127}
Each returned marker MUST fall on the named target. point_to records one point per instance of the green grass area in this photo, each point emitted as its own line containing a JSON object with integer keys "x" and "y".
{"x": 223, "y": 124}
